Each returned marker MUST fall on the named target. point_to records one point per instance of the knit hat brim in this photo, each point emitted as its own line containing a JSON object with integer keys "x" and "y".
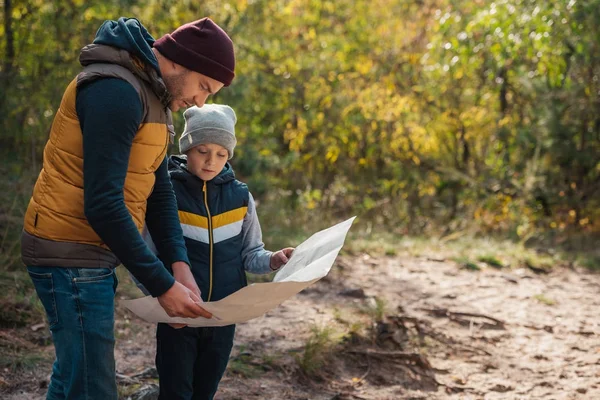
{"x": 201, "y": 46}
{"x": 208, "y": 135}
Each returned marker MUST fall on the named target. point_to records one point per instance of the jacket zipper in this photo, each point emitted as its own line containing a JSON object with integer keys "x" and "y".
{"x": 210, "y": 242}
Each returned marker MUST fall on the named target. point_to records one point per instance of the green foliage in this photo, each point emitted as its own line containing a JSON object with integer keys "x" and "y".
{"x": 522, "y": 100}
{"x": 15, "y": 190}
{"x": 590, "y": 262}
{"x": 452, "y": 113}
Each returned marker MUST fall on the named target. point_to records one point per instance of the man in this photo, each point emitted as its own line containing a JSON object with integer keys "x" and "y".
{"x": 104, "y": 177}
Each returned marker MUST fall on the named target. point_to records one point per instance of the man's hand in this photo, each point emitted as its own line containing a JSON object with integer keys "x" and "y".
{"x": 279, "y": 258}
{"x": 180, "y": 301}
{"x": 183, "y": 274}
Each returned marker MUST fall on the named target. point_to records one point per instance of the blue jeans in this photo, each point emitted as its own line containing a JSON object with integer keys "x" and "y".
{"x": 79, "y": 304}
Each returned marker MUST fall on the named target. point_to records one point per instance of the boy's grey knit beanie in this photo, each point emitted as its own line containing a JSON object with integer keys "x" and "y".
{"x": 212, "y": 123}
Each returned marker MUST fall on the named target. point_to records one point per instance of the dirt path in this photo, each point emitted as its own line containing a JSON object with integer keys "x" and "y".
{"x": 489, "y": 334}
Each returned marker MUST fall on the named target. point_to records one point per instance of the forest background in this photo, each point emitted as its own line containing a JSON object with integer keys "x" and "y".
{"x": 468, "y": 128}
{"x": 438, "y": 119}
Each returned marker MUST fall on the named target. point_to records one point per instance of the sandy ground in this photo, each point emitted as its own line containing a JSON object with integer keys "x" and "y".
{"x": 446, "y": 333}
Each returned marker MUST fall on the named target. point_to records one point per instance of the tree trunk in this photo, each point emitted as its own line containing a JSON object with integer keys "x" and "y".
{"x": 9, "y": 59}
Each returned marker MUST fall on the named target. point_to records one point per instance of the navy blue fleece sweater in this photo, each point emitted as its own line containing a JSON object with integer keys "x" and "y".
{"x": 110, "y": 113}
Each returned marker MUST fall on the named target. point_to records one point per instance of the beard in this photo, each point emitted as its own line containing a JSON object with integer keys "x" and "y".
{"x": 175, "y": 85}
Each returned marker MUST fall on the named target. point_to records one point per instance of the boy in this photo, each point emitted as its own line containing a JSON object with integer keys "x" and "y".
{"x": 223, "y": 238}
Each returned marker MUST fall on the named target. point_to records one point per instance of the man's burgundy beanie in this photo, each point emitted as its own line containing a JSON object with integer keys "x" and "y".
{"x": 201, "y": 46}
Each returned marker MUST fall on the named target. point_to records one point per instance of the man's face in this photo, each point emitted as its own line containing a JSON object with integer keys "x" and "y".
{"x": 189, "y": 88}
{"x": 206, "y": 160}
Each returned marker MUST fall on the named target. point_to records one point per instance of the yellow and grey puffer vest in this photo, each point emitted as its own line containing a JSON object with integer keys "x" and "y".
{"x": 56, "y": 231}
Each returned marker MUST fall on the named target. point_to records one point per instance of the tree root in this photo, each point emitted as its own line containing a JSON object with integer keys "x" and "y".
{"x": 467, "y": 319}
{"x": 424, "y": 330}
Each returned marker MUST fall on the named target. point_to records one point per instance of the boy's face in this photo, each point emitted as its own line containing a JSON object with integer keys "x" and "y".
{"x": 206, "y": 160}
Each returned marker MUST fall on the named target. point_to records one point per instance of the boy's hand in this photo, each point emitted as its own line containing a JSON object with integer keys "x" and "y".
{"x": 279, "y": 258}
{"x": 183, "y": 274}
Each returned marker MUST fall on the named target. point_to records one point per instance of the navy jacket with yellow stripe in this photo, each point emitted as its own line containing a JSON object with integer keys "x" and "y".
{"x": 221, "y": 229}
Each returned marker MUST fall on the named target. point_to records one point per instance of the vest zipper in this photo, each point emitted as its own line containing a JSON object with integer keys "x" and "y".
{"x": 210, "y": 242}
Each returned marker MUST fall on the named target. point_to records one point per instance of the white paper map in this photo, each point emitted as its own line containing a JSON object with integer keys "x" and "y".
{"x": 310, "y": 261}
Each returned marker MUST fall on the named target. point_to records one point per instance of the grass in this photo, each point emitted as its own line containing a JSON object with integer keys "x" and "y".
{"x": 492, "y": 261}
{"x": 544, "y": 299}
{"x": 318, "y": 349}
{"x": 20, "y": 304}
{"x": 469, "y": 251}
{"x": 391, "y": 251}
{"x": 243, "y": 366}
{"x": 361, "y": 241}
{"x": 538, "y": 265}
{"x": 590, "y": 262}
{"x": 350, "y": 324}
{"x": 491, "y": 252}
{"x": 497, "y": 253}
{"x": 377, "y": 310}
{"x": 466, "y": 263}
{"x": 127, "y": 390}
{"x": 23, "y": 360}
{"x": 250, "y": 365}
{"x": 254, "y": 278}
{"x": 349, "y": 321}
{"x": 15, "y": 190}
{"x": 272, "y": 361}
{"x": 374, "y": 308}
